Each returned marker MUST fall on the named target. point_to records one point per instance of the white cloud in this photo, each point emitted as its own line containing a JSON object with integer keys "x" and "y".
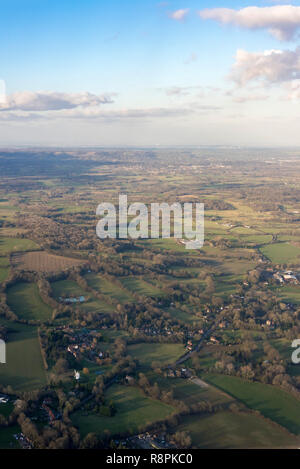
{"x": 179, "y": 15}
{"x": 51, "y": 101}
{"x": 96, "y": 113}
{"x": 272, "y": 66}
{"x": 44, "y": 106}
{"x": 282, "y": 21}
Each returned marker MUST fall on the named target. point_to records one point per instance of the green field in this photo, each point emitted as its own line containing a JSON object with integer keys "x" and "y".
{"x": 257, "y": 239}
{"x": 288, "y": 293}
{"x": 189, "y": 392}
{"x": 225, "y": 430}
{"x": 24, "y": 368}
{"x": 139, "y": 286}
{"x": 8, "y": 245}
{"x": 234, "y": 266}
{"x": 242, "y": 230}
{"x": 4, "y": 268}
{"x": 7, "y": 440}
{"x": 168, "y": 245}
{"x": 133, "y": 410}
{"x": 281, "y": 253}
{"x": 69, "y": 288}
{"x": 24, "y": 300}
{"x": 108, "y": 288}
{"x": 163, "y": 353}
{"x": 272, "y": 402}
{"x": 6, "y": 409}
{"x": 227, "y": 285}
{"x": 181, "y": 315}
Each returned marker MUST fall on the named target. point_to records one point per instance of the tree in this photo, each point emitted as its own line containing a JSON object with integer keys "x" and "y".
{"x": 61, "y": 366}
{"x": 90, "y": 441}
{"x": 182, "y": 439}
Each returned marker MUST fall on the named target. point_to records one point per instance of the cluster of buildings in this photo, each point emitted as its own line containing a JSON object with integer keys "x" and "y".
{"x": 178, "y": 373}
{"x": 153, "y": 331}
{"x": 189, "y": 346}
{"x": 287, "y": 276}
{"x": 85, "y": 342}
{"x": 283, "y": 277}
{"x": 147, "y": 441}
{"x": 23, "y": 441}
{"x": 72, "y": 300}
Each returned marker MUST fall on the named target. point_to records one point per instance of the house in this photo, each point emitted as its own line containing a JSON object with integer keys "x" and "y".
{"x": 49, "y": 412}
{"x": 129, "y": 379}
{"x": 171, "y": 374}
{"x": 185, "y": 373}
{"x": 278, "y": 277}
{"x": 80, "y": 299}
{"x": 214, "y": 340}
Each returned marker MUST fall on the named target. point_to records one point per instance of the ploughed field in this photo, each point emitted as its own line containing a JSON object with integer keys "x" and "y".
{"x": 41, "y": 261}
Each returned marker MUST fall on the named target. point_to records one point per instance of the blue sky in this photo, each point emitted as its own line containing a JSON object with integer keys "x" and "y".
{"x": 143, "y": 72}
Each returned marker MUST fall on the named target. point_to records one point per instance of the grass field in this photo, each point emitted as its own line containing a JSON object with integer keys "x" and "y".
{"x": 187, "y": 317}
{"x": 242, "y": 230}
{"x": 72, "y": 289}
{"x": 139, "y": 286}
{"x": 226, "y": 285}
{"x": 163, "y": 353}
{"x": 288, "y": 293}
{"x": 108, "y": 288}
{"x": 257, "y": 239}
{"x": 41, "y": 261}
{"x": 225, "y": 430}
{"x": 8, "y": 245}
{"x": 270, "y": 401}
{"x": 189, "y": 392}
{"x": 7, "y": 440}
{"x": 281, "y": 253}
{"x": 133, "y": 410}
{"x": 24, "y": 299}
{"x": 235, "y": 266}
{"x": 24, "y": 368}
{"x": 168, "y": 245}
{"x": 6, "y": 409}
{"x": 4, "y": 268}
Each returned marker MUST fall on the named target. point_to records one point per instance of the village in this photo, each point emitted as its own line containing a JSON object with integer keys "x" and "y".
{"x": 85, "y": 343}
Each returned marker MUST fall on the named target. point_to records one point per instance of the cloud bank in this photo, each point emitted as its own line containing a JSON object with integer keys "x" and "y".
{"x": 51, "y": 101}
{"x": 281, "y": 21}
{"x": 270, "y": 67}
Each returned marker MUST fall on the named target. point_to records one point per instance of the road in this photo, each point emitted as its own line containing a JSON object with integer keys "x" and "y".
{"x": 206, "y": 334}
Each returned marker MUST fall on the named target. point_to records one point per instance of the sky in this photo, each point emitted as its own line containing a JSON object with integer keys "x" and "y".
{"x": 145, "y": 73}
